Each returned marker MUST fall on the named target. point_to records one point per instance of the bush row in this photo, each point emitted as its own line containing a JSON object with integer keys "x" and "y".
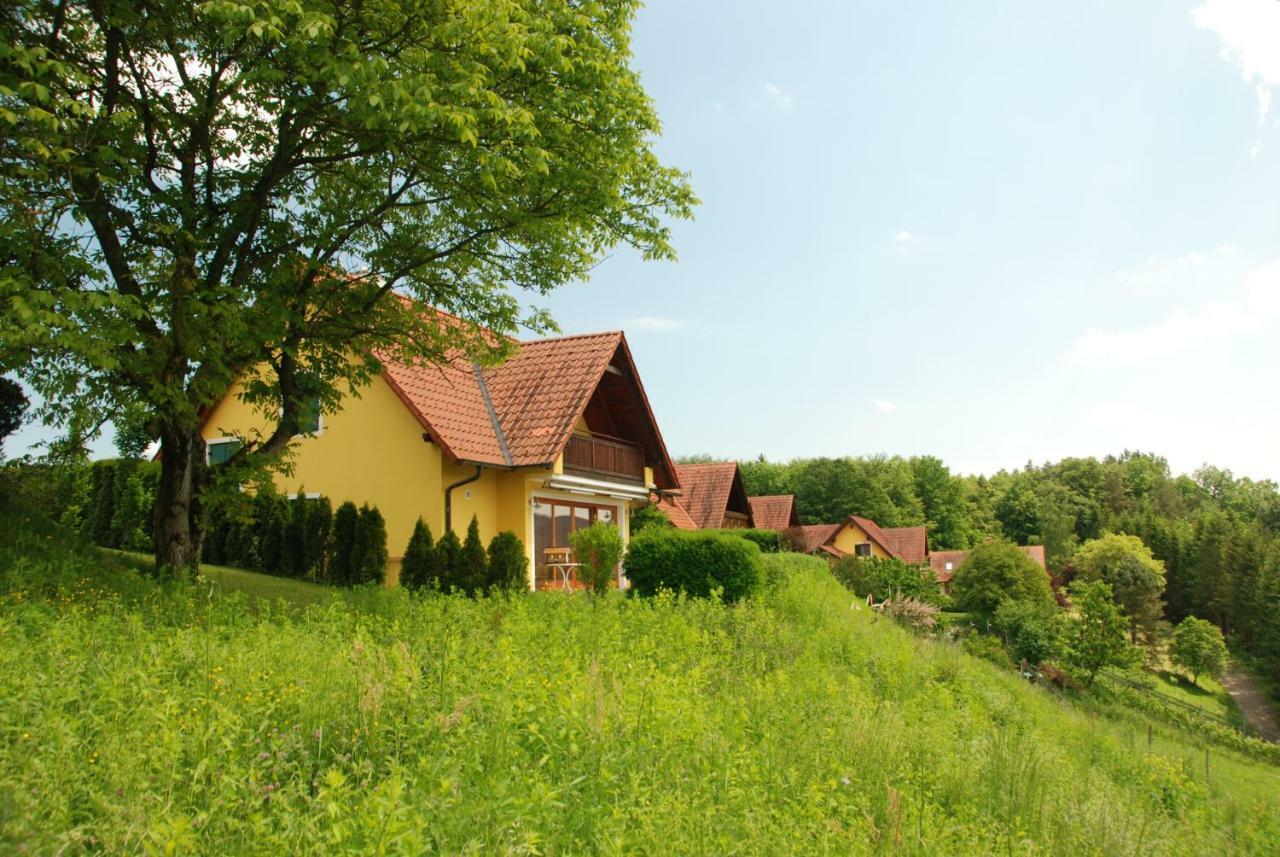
{"x": 696, "y": 563}
{"x": 450, "y": 565}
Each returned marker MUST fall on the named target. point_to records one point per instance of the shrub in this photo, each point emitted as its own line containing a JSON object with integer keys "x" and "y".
{"x": 769, "y": 541}
{"x": 420, "y": 567}
{"x": 270, "y": 514}
{"x": 316, "y": 541}
{"x": 696, "y": 563}
{"x": 345, "y": 523}
{"x": 1096, "y": 636}
{"x": 598, "y": 549}
{"x": 293, "y": 548}
{"x": 883, "y": 578}
{"x": 369, "y": 561}
{"x": 910, "y": 613}
{"x": 473, "y": 565}
{"x": 508, "y": 565}
{"x": 1030, "y": 631}
{"x": 988, "y": 648}
{"x": 649, "y": 517}
{"x": 448, "y": 556}
{"x": 998, "y": 571}
{"x": 1198, "y": 647}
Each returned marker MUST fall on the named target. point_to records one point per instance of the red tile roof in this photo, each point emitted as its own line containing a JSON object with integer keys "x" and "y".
{"x": 520, "y": 412}
{"x": 877, "y": 535}
{"x": 814, "y": 536}
{"x": 774, "y": 512}
{"x": 705, "y": 491}
{"x": 910, "y": 542}
{"x": 677, "y": 514}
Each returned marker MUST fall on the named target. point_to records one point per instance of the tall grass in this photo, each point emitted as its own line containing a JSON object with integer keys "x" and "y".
{"x": 138, "y": 716}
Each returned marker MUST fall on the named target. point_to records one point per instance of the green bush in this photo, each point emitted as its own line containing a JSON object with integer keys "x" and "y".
{"x": 988, "y": 648}
{"x": 598, "y": 549}
{"x": 420, "y": 567}
{"x": 884, "y": 577}
{"x": 1199, "y": 648}
{"x": 647, "y": 517}
{"x": 508, "y": 565}
{"x": 695, "y": 563}
{"x": 318, "y": 531}
{"x": 448, "y": 557}
{"x": 769, "y": 541}
{"x": 1030, "y": 631}
{"x": 473, "y": 564}
{"x": 369, "y": 560}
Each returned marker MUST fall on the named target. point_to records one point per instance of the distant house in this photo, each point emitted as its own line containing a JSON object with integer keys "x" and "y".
{"x": 945, "y": 563}
{"x": 774, "y": 512}
{"x": 712, "y": 496}
{"x": 858, "y": 536}
{"x": 559, "y": 436}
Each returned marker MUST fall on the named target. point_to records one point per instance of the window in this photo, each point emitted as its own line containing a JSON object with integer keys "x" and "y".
{"x": 948, "y": 566}
{"x": 553, "y": 522}
{"x": 221, "y": 450}
{"x": 863, "y": 549}
{"x": 309, "y": 417}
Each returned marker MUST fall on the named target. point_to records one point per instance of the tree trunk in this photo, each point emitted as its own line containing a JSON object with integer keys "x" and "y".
{"x": 179, "y": 530}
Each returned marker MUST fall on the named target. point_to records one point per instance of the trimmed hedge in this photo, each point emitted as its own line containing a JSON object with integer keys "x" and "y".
{"x": 695, "y": 563}
{"x": 769, "y": 541}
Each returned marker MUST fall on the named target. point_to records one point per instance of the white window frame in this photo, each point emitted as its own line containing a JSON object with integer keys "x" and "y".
{"x": 857, "y": 550}
{"x": 319, "y": 422}
{"x": 217, "y": 441}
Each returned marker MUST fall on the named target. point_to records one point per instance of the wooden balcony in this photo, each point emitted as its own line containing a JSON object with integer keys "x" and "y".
{"x": 604, "y": 457}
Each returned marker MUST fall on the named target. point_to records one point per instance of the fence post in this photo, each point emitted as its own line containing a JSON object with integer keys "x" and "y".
{"x": 1206, "y": 763}
{"x": 1148, "y": 736}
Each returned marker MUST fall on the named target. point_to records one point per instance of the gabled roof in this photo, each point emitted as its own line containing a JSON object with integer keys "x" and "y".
{"x": 910, "y": 542}
{"x": 814, "y": 536}
{"x": 873, "y": 531}
{"x": 520, "y": 412}
{"x": 774, "y": 511}
{"x": 708, "y": 490}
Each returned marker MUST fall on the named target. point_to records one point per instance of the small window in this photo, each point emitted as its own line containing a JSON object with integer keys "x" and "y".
{"x": 863, "y": 549}
{"x": 309, "y": 417}
{"x": 948, "y": 566}
{"x": 220, "y": 451}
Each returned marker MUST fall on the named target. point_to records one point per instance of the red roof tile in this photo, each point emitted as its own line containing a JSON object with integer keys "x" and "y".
{"x": 774, "y": 512}
{"x": 706, "y": 490}
{"x": 938, "y": 560}
{"x": 910, "y": 542}
{"x": 814, "y": 536}
{"x": 677, "y": 514}
{"x": 877, "y": 535}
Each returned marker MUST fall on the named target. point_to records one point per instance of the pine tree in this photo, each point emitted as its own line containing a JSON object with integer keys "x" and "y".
{"x": 473, "y": 565}
{"x": 316, "y": 541}
{"x": 293, "y": 552}
{"x": 418, "y": 569}
{"x": 270, "y": 518}
{"x": 345, "y": 522}
{"x": 369, "y": 563}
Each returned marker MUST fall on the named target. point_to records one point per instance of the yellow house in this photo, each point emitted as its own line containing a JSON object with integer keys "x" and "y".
{"x": 559, "y": 436}
{"x": 863, "y": 537}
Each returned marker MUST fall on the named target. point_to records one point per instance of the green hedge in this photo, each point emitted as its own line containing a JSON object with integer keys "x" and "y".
{"x": 769, "y": 541}
{"x": 695, "y": 563}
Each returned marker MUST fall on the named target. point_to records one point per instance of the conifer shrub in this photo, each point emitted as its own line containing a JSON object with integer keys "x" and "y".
{"x": 369, "y": 560}
{"x": 293, "y": 538}
{"x": 419, "y": 568}
{"x": 508, "y": 565}
{"x": 473, "y": 563}
{"x": 598, "y": 550}
{"x": 341, "y": 565}
{"x": 318, "y": 530}
{"x": 270, "y": 514}
{"x": 695, "y": 563}
{"x": 448, "y": 557}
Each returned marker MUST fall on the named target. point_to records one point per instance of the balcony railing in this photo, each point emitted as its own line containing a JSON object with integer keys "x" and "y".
{"x": 603, "y": 457}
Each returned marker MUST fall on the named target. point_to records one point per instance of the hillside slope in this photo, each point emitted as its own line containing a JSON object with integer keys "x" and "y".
{"x": 140, "y": 716}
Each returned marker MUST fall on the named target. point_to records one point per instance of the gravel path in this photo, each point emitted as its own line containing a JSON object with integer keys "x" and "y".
{"x": 1253, "y": 703}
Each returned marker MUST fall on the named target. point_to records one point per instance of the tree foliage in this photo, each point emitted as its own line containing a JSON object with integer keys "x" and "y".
{"x": 508, "y": 564}
{"x": 419, "y": 569}
{"x": 1135, "y": 576}
{"x": 1095, "y": 636}
{"x": 1198, "y": 647}
{"x": 598, "y": 550}
{"x": 995, "y": 572}
{"x": 195, "y": 194}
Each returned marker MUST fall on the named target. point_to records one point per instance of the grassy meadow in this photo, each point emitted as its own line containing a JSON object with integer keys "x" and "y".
{"x": 151, "y": 717}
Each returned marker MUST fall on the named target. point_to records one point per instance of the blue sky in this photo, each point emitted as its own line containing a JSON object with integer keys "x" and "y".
{"x": 992, "y": 232}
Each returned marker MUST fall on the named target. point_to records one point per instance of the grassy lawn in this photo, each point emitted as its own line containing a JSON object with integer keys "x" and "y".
{"x": 139, "y": 715}
{"x": 1207, "y": 695}
{"x": 300, "y": 593}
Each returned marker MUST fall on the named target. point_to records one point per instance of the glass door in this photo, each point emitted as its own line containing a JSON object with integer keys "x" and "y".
{"x": 553, "y": 522}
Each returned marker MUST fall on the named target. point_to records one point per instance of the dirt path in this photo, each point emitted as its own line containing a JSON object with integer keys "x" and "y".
{"x": 1253, "y": 703}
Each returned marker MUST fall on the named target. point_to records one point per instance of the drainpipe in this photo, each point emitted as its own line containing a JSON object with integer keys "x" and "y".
{"x": 448, "y": 496}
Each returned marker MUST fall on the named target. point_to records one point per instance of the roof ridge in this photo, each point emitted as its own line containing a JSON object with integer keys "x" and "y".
{"x": 568, "y": 336}
{"x": 493, "y": 415}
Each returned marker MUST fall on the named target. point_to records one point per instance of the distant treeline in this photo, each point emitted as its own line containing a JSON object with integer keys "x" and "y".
{"x": 1218, "y": 534}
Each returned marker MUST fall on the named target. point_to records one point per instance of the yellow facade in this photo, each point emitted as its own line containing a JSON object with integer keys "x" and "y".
{"x": 851, "y": 535}
{"x": 372, "y": 451}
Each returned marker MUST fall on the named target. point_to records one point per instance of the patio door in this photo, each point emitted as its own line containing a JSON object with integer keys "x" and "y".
{"x": 553, "y": 521}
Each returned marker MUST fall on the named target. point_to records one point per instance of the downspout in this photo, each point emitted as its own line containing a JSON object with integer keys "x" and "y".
{"x": 448, "y": 496}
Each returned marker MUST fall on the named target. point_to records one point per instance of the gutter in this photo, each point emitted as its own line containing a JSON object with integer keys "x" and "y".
{"x": 448, "y": 496}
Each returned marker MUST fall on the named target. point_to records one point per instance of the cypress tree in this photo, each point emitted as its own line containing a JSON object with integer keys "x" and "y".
{"x": 370, "y": 561}
{"x": 448, "y": 555}
{"x": 508, "y": 565}
{"x": 293, "y": 552}
{"x": 345, "y": 521}
{"x": 272, "y": 516}
{"x": 319, "y": 526}
{"x": 473, "y": 565}
{"x": 418, "y": 568}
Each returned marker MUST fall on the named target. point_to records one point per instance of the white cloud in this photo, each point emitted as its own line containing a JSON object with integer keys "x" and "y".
{"x": 1183, "y": 328}
{"x": 654, "y": 323}
{"x": 1250, "y": 35}
{"x": 1157, "y": 267}
{"x": 1255, "y": 149}
{"x": 884, "y": 407}
{"x": 903, "y": 237}
{"x": 780, "y": 99}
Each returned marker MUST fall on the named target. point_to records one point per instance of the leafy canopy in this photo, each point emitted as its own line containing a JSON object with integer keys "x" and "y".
{"x": 1198, "y": 647}
{"x": 1135, "y": 576}
{"x": 995, "y": 572}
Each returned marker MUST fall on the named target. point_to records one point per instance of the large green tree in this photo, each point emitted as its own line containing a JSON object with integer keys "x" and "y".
{"x": 1135, "y": 576}
{"x": 995, "y": 572}
{"x": 195, "y": 193}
